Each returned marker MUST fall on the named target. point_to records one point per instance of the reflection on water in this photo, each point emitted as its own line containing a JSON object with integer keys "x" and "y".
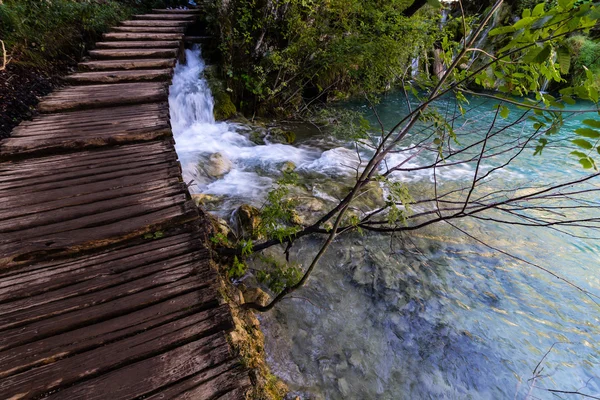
{"x": 431, "y": 314}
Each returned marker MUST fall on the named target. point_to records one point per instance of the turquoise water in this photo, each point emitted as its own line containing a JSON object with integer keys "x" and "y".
{"x": 435, "y": 314}
{"x": 427, "y": 314}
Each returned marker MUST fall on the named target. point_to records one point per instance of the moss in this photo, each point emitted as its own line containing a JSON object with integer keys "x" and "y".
{"x": 247, "y": 341}
{"x": 224, "y": 107}
{"x": 278, "y": 135}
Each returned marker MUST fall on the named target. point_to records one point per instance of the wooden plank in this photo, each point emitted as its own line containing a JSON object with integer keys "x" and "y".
{"x": 94, "y": 232}
{"x": 206, "y": 298}
{"x": 80, "y": 176}
{"x": 236, "y": 394}
{"x": 86, "y": 294}
{"x": 177, "y": 11}
{"x": 149, "y": 29}
{"x": 18, "y": 170}
{"x": 167, "y": 16}
{"x": 141, "y": 75}
{"x": 47, "y": 276}
{"x": 141, "y": 36}
{"x": 208, "y": 384}
{"x": 138, "y": 380}
{"x": 171, "y": 44}
{"x": 124, "y": 352}
{"x": 107, "y": 65}
{"x": 94, "y": 96}
{"x": 63, "y": 214}
{"x": 133, "y": 53}
{"x": 154, "y": 23}
{"x": 17, "y": 147}
{"x": 66, "y": 344}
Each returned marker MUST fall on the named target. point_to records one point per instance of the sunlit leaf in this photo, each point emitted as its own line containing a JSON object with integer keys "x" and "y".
{"x": 588, "y": 132}
{"x": 584, "y": 144}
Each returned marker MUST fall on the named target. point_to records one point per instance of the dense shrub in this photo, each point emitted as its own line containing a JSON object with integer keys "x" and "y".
{"x": 281, "y": 55}
{"x": 40, "y": 32}
{"x": 585, "y": 52}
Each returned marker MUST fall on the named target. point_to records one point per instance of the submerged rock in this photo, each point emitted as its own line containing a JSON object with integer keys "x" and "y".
{"x": 343, "y": 387}
{"x": 258, "y": 137}
{"x": 218, "y": 165}
{"x": 278, "y": 135}
{"x": 245, "y": 222}
{"x": 256, "y": 295}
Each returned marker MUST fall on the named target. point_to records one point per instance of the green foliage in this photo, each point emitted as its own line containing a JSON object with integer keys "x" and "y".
{"x": 237, "y": 269}
{"x": 343, "y": 123}
{"x": 280, "y": 54}
{"x": 584, "y": 55}
{"x": 154, "y": 236}
{"x": 277, "y": 276}
{"x": 541, "y": 46}
{"x": 220, "y": 239}
{"x": 398, "y": 200}
{"x": 39, "y": 32}
{"x": 278, "y": 212}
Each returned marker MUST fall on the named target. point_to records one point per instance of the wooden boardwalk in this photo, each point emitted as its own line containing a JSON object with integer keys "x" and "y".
{"x": 106, "y": 291}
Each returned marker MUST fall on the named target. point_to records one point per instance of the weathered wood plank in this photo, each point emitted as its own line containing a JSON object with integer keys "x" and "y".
{"x": 147, "y": 376}
{"x": 143, "y": 75}
{"x": 139, "y": 347}
{"x": 47, "y": 276}
{"x": 107, "y": 65}
{"x": 167, "y": 16}
{"x": 149, "y": 29}
{"x": 61, "y": 346}
{"x": 80, "y": 235}
{"x": 141, "y": 36}
{"x": 133, "y": 53}
{"x": 94, "y": 96}
{"x": 206, "y": 297}
{"x": 208, "y": 384}
{"x": 22, "y": 312}
{"x": 150, "y": 23}
{"x": 171, "y": 44}
{"x": 17, "y": 170}
{"x": 177, "y": 11}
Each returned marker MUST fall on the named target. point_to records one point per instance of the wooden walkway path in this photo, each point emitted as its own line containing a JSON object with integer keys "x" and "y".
{"x": 105, "y": 286}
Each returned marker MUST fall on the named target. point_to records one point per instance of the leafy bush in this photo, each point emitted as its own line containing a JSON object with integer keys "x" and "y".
{"x": 39, "y": 32}
{"x": 585, "y": 53}
{"x": 277, "y": 54}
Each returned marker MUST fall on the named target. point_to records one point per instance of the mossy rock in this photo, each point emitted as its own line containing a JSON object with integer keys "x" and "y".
{"x": 224, "y": 107}
{"x": 257, "y": 137}
{"x": 278, "y": 135}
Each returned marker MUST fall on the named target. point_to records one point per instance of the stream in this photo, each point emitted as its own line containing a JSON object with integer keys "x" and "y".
{"x": 431, "y": 314}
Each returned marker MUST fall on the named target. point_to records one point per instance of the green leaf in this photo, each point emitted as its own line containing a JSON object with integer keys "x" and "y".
{"x": 586, "y": 163}
{"x": 504, "y": 111}
{"x": 588, "y": 132}
{"x": 579, "y": 154}
{"x": 564, "y": 60}
{"x": 434, "y": 3}
{"x": 538, "y": 9}
{"x": 584, "y": 144}
{"x": 523, "y": 22}
{"x": 501, "y": 30}
{"x": 564, "y": 3}
{"x": 592, "y": 122}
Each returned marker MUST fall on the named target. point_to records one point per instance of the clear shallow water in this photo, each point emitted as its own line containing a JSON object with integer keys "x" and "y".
{"x": 432, "y": 314}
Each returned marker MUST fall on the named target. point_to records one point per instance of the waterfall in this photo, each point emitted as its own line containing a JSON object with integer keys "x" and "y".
{"x": 219, "y": 157}
{"x": 414, "y": 67}
{"x": 190, "y": 98}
